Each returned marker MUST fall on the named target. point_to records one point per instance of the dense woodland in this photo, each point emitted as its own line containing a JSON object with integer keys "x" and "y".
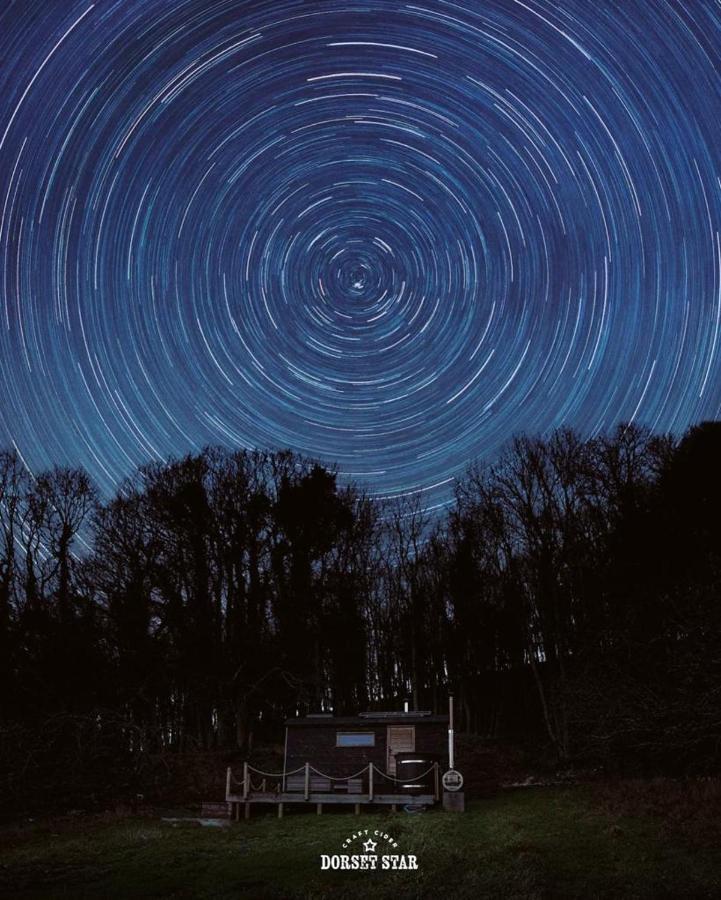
{"x": 570, "y": 598}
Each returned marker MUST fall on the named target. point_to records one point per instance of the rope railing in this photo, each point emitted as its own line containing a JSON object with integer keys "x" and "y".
{"x": 262, "y": 786}
{"x": 403, "y": 780}
{"x": 371, "y": 769}
{"x": 275, "y": 774}
{"x": 341, "y": 777}
{"x": 241, "y": 781}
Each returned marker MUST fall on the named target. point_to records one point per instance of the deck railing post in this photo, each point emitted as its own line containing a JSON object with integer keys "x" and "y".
{"x": 307, "y": 780}
{"x": 245, "y": 780}
{"x": 227, "y": 784}
{"x": 370, "y": 782}
{"x": 435, "y": 782}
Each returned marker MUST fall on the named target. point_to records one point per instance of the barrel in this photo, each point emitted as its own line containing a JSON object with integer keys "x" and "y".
{"x": 414, "y": 770}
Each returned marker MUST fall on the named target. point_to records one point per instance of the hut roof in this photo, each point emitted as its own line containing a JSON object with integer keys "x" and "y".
{"x": 413, "y": 717}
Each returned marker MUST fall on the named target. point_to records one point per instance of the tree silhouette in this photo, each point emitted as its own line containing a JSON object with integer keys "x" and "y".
{"x": 570, "y": 598}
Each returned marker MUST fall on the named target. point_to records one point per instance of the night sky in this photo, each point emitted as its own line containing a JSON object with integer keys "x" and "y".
{"x": 386, "y": 234}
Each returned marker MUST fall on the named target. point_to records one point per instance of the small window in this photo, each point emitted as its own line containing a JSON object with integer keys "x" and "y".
{"x": 355, "y": 739}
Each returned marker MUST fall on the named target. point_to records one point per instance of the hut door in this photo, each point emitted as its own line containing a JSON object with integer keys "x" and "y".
{"x": 400, "y": 739}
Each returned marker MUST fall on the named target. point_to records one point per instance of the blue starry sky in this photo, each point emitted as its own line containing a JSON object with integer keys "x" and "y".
{"x": 385, "y": 234}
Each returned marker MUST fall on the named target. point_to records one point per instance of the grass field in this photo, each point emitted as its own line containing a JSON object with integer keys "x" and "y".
{"x": 535, "y": 843}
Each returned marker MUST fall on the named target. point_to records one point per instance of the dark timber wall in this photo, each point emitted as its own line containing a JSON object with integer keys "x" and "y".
{"x": 315, "y": 742}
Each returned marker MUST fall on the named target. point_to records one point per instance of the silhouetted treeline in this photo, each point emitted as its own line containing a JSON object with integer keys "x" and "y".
{"x": 571, "y": 598}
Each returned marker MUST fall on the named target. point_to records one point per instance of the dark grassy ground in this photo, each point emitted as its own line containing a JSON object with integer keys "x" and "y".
{"x": 534, "y": 843}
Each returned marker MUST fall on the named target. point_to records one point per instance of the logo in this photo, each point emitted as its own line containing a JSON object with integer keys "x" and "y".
{"x": 452, "y": 780}
{"x": 368, "y": 849}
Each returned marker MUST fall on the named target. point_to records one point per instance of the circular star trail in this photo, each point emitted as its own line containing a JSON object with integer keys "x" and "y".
{"x": 384, "y": 234}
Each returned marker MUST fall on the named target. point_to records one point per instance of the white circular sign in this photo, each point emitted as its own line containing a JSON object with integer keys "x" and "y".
{"x": 452, "y": 780}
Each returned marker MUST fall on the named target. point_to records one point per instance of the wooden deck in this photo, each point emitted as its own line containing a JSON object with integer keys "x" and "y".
{"x": 334, "y": 798}
{"x": 313, "y": 787}
{"x": 236, "y": 801}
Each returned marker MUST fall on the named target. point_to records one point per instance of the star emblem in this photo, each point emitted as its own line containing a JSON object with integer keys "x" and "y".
{"x": 369, "y": 846}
